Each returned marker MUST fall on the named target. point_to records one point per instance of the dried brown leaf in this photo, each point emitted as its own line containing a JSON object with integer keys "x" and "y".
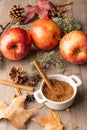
{"x": 40, "y": 9}
{"x": 3, "y": 106}
{"x": 50, "y": 122}
{"x": 15, "y": 112}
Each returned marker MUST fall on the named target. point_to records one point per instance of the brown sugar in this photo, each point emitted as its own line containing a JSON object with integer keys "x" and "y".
{"x": 60, "y": 91}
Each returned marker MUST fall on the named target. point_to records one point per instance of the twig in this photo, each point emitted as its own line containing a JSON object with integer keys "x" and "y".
{"x": 66, "y": 124}
{"x": 75, "y": 127}
{"x": 3, "y": 29}
{"x": 18, "y": 91}
{"x": 63, "y": 10}
{"x": 68, "y": 2}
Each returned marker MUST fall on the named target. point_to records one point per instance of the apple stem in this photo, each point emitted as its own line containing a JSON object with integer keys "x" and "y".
{"x": 58, "y": 38}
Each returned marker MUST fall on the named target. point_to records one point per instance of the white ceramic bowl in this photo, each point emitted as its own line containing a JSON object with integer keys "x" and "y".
{"x": 73, "y": 80}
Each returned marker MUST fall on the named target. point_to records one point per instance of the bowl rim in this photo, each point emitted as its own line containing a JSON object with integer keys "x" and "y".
{"x": 63, "y": 102}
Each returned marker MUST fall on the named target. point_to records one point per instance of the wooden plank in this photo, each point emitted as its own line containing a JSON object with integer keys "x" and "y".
{"x": 79, "y": 108}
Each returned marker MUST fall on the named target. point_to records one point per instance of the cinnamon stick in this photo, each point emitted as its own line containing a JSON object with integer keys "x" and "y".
{"x": 43, "y": 75}
{"x": 10, "y": 84}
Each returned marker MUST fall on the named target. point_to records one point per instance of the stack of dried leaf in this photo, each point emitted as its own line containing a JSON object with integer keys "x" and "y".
{"x": 18, "y": 115}
{"x": 18, "y": 75}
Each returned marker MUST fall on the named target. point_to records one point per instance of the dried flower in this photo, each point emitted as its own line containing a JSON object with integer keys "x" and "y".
{"x": 25, "y": 27}
{"x": 47, "y": 58}
{"x": 67, "y": 25}
{"x": 18, "y": 75}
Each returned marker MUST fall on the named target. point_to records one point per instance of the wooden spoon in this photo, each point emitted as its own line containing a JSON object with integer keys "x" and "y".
{"x": 43, "y": 75}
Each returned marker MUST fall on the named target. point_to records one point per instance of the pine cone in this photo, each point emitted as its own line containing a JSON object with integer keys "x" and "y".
{"x": 54, "y": 12}
{"x": 15, "y": 14}
{"x": 33, "y": 80}
{"x": 30, "y": 98}
{"x": 18, "y": 75}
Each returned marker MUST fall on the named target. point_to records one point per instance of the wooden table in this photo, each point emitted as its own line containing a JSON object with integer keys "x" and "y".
{"x": 79, "y": 108}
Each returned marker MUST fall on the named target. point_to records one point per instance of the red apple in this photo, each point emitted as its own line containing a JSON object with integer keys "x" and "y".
{"x": 45, "y": 33}
{"x": 73, "y": 47}
{"x": 15, "y": 43}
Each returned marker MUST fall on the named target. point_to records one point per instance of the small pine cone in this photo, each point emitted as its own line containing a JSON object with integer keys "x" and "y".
{"x": 54, "y": 12}
{"x": 34, "y": 80}
{"x": 15, "y": 14}
{"x": 18, "y": 75}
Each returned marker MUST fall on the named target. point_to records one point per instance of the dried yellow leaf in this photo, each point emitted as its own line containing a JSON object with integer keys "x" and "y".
{"x": 50, "y": 122}
{"x": 15, "y": 112}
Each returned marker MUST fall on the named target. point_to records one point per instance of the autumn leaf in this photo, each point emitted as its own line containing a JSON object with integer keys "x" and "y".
{"x": 41, "y": 9}
{"x": 50, "y": 122}
{"x": 15, "y": 112}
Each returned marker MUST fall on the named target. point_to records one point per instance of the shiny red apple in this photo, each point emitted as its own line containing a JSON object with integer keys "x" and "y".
{"x": 45, "y": 33}
{"x": 73, "y": 47}
{"x": 15, "y": 43}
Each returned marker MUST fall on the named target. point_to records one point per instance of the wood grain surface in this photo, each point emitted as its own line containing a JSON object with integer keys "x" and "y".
{"x": 79, "y": 108}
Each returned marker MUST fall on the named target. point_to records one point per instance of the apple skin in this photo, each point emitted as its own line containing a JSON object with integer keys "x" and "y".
{"x": 45, "y": 33}
{"x": 73, "y": 47}
{"x": 15, "y": 43}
